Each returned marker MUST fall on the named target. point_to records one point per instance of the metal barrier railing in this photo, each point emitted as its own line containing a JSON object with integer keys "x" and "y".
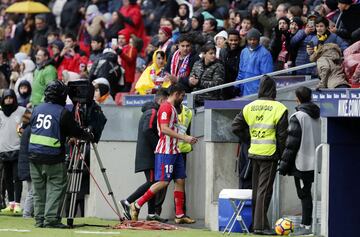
{"x": 190, "y": 97}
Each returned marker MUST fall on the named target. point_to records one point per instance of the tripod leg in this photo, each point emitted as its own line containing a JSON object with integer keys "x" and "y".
{"x": 103, "y": 171}
{"x": 69, "y": 178}
{"x": 76, "y": 183}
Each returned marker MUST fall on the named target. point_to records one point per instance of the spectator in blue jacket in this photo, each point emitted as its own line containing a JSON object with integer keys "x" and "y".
{"x": 255, "y": 60}
{"x": 324, "y": 36}
{"x": 299, "y": 42}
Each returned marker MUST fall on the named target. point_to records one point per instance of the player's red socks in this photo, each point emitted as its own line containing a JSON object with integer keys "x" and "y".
{"x": 144, "y": 198}
{"x": 179, "y": 203}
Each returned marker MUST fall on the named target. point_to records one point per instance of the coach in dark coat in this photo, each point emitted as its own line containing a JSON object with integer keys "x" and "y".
{"x": 147, "y": 138}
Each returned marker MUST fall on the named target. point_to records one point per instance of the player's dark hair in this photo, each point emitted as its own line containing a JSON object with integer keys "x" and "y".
{"x": 176, "y": 88}
{"x": 161, "y": 93}
{"x": 303, "y": 94}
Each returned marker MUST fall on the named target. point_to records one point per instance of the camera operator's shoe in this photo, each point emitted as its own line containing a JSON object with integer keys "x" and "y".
{"x": 134, "y": 212}
{"x": 126, "y": 209}
{"x": 56, "y": 226}
{"x": 184, "y": 220}
{"x": 156, "y": 218}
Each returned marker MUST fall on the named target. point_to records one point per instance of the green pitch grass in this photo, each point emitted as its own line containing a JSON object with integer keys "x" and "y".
{"x": 18, "y": 223}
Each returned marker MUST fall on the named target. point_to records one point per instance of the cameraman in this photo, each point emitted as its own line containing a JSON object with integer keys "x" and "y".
{"x": 50, "y": 124}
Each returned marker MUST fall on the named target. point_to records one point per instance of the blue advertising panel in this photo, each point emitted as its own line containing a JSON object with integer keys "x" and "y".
{"x": 339, "y": 102}
{"x": 140, "y": 100}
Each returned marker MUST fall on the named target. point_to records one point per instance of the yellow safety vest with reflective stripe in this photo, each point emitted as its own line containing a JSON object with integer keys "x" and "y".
{"x": 184, "y": 120}
{"x": 262, "y": 117}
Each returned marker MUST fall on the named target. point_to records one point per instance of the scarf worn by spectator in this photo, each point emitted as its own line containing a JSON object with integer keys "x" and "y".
{"x": 283, "y": 55}
{"x": 183, "y": 70}
{"x": 322, "y": 39}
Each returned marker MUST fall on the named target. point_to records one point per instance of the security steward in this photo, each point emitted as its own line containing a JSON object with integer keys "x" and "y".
{"x": 50, "y": 125}
{"x": 263, "y": 123}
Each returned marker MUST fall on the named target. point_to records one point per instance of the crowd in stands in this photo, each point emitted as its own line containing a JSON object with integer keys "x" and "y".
{"x": 141, "y": 46}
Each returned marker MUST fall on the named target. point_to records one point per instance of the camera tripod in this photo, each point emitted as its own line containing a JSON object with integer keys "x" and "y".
{"x": 75, "y": 174}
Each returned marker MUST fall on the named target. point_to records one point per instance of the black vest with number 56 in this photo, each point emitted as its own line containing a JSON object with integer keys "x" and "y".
{"x": 45, "y": 129}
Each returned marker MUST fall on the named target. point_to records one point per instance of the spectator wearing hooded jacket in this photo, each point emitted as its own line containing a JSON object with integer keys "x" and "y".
{"x": 127, "y": 53}
{"x": 298, "y": 158}
{"x": 182, "y": 20}
{"x": 197, "y": 22}
{"x": 24, "y": 93}
{"x": 27, "y": 68}
{"x": 10, "y": 116}
{"x": 133, "y": 19}
{"x": 328, "y": 60}
{"x": 255, "y": 60}
{"x": 94, "y": 22}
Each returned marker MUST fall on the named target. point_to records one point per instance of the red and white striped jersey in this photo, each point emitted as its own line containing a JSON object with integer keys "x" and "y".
{"x": 167, "y": 115}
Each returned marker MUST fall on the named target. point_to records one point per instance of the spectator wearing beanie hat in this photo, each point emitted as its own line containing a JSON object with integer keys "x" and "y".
{"x": 255, "y": 60}
{"x": 347, "y": 27}
{"x": 165, "y": 41}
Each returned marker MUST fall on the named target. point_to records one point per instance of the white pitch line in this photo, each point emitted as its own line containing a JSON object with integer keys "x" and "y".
{"x": 14, "y": 230}
{"x": 97, "y": 232}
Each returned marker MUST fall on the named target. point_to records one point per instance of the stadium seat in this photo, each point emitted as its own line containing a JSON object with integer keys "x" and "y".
{"x": 234, "y": 196}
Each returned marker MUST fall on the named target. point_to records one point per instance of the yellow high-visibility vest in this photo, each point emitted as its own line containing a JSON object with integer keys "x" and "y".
{"x": 262, "y": 117}
{"x": 184, "y": 120}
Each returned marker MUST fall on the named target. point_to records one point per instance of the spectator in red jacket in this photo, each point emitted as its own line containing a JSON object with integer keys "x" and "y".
{"x": 128, "y": 54}
{"x": 71, "y": 56}
{"x": 133, "y": 20}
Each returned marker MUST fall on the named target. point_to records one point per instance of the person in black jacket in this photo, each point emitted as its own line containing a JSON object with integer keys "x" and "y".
{"x": 145, "y": 158}
{"x": 346, "y": 27}
{"x": 23, "y": 164}
{"x": 230, "y": 56}
{"x": 50, "y": 125}
{"x": 298, "y": 158}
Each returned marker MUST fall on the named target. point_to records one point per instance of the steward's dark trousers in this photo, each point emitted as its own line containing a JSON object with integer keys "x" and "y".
{"x": 303, "y": 189}
{"x": 263, "y": 176}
